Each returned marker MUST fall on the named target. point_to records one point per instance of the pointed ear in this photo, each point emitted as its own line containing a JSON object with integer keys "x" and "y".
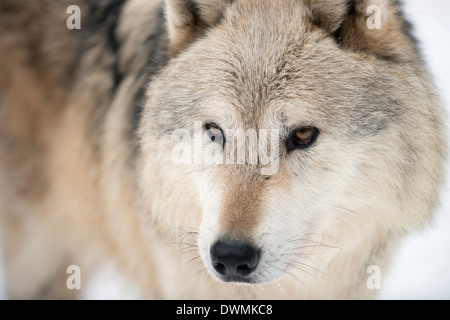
{"x": 373, "y": 26}
{"x": 187, "y": 19}
{"x": 328, "y": 14}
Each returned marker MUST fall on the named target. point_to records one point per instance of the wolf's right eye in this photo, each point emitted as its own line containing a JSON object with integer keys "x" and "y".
{"x": 302, "y": 138}
{"x": 214, "y": 132}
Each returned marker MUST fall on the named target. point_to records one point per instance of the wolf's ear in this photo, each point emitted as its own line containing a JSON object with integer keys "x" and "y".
{"x": 186, "y": 19}
{"x": 373, "y": 26}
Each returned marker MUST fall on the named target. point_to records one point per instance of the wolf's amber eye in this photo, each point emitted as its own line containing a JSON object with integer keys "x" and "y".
{"x": 214, "y": 133}
{"x": 302, "y": 138}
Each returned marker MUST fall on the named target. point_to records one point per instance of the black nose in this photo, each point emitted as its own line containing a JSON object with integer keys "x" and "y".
{"x": 234, "y": 259}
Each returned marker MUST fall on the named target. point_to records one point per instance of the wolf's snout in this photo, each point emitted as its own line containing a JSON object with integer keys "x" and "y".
{"x": 234, "y": 260}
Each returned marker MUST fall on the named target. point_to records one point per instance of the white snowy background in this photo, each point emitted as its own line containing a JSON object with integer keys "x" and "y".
{"x": 421, "y": 270}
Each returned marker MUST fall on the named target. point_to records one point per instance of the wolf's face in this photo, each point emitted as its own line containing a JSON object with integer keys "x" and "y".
{"x": 329, "y": 117}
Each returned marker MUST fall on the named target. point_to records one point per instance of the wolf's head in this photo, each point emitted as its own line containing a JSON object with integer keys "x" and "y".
{"x": 332, "y": 93}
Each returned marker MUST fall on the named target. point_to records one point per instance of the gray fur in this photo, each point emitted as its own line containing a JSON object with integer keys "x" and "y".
{"x": 86, "y": 119}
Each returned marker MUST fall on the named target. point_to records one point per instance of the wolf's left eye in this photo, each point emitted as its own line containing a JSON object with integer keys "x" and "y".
{"x": 214, "y": 132}
{"x": 302, "y": 138}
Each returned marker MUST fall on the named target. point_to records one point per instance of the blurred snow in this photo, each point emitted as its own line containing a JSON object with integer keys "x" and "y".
{"x": 109, "y": 284}
{"x": 421, "y": 270}
{"x": 2, "y": 280}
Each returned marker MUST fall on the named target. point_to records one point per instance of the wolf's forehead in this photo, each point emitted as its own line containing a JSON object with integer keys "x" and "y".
{"x": 261, "y": 36}
{"x": 264, "y": 13}
{"x": 253, "y": 54}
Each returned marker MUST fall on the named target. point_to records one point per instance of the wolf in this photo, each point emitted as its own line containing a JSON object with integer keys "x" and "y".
{"x": 87, "y": 123}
